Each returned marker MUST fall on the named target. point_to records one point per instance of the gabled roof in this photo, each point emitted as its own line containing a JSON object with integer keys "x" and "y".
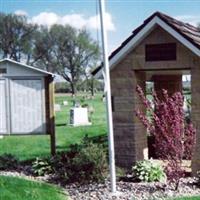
{"x": 185, "y": 33}
{"x": 26, "y": 66}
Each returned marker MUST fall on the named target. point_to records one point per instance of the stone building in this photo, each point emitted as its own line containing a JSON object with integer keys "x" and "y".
{"x": 161, "y": 50}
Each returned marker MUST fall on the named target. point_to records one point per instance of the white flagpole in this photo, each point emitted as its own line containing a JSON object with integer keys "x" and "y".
{"x": 108, "y": 97}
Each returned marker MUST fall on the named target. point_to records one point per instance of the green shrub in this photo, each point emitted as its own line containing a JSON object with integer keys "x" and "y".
{"x": 8, "y": 162}
{"x": 41, "y": 167}
{"x": 85, "y": 162}
{"x": 148, "y": 171}
{"x": 85, "y": 105}
{"x": 91, "y": 163}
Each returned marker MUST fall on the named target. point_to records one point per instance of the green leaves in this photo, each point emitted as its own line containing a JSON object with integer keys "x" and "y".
{"x": 41, "y": 167}
{"x": 148, "y": 171}
{"x": 16, "y": 37}
{"x": 63, "y": 50}
{"x": 8, "y": 162}
{"x": 66, "y": 51}
{"x": 84, "y": 162}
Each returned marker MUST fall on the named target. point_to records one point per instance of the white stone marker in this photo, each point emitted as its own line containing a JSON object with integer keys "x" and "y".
{"x": 65, "y": 103}
{"x": 79, "y": 116}
{"x": 57, "y": 107}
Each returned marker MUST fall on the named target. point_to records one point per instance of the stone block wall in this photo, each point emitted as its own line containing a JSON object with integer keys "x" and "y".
{"x": 129, "y": 133}
{"x": 195, "y": 87}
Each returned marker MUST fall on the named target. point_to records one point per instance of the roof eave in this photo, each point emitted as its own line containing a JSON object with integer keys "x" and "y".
{"x": 114, "y": 60}
{"x": 28, "y": 66}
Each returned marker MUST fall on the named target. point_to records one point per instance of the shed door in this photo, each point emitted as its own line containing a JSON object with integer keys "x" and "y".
{"x": 26, "y": 106}
{"x": 3, "y": 126}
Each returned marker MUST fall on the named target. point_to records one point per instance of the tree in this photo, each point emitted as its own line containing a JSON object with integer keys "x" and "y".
{"x": 91, "y": 85}
{"x": 174, "y": 138}
{"x": 91, "y": 82}
{"x": 16, "y": 37}
{"x": 66, "y": 51}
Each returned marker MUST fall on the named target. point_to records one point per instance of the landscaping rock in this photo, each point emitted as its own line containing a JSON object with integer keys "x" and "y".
{"x": 132, "y": 191}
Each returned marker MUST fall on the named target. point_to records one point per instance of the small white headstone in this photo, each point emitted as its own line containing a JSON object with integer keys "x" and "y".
{"x": 79, "y": 117}
{"x": 57, "y": 107}
{"x": 90, "y": 109}
{"x": 65, "y": 103}
{"x": 1, "y": 136}
{"x": 185, "y": 107}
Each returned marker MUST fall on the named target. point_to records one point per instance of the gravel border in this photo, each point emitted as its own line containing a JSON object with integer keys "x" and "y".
{"x": 126, "y": 190}
{"x": 132, "y": 191}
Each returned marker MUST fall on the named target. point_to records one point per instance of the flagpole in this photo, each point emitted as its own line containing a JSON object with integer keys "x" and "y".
{"x": 108, "y": 97}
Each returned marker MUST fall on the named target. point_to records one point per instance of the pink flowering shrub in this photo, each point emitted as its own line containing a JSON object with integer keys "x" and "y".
{"x": 174, "y": 138}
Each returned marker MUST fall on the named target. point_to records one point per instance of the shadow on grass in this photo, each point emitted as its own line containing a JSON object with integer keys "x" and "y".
{"x": 62, "y": 124}
{"x": 100, "y": 139}
{"x": 9, "y": 162}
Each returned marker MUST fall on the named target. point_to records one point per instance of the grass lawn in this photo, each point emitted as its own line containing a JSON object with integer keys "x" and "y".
{"x": 29, "y": 147}
{"x": 12, "y": 188}
{"x": 188, "y": 198}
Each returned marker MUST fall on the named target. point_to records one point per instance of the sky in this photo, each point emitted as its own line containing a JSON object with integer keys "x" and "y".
{"x": 122, "y": 16}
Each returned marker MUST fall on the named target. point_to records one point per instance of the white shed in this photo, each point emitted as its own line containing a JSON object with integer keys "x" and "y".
{"x": 26, "y": 99}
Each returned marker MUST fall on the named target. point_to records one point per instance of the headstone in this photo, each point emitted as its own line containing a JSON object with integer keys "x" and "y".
{"x": 76, "y": 103}
{"x": 103, "y": 97}
{"x": 57, "y": 107}
{"x": 185, "y": 106}
{"x": 1, "y": 136}
{"x": 90, "y": 109}
{"x": 79, "y": 116}
{"x": 65, "y": 103}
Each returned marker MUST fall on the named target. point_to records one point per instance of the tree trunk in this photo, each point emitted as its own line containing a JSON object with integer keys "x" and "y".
{"x": 73, "y": 89}
{"x": 92, "y": 87}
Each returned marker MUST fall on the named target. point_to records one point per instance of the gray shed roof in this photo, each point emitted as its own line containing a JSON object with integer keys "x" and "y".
{"x": 27, "y": 66}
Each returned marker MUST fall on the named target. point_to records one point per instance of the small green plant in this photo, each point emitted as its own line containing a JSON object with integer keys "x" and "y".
{"x": 148, "y": 171}
{"x": 8, "y": 162}
{"x": 41, "y": 167}
{"x": 120, "y": 172}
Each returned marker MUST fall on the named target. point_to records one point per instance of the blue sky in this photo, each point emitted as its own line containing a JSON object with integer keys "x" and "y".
{"x": 122, "y": 15}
